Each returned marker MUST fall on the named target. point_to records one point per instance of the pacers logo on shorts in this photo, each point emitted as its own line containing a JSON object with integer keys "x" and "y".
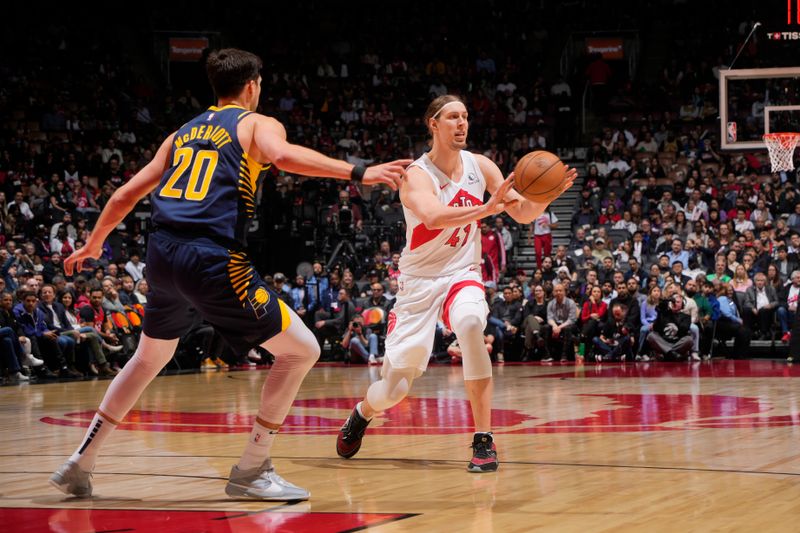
{"x": 259, "y": 298}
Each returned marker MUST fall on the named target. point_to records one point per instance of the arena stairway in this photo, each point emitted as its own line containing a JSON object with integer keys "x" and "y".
{"x": 524, "y": 256}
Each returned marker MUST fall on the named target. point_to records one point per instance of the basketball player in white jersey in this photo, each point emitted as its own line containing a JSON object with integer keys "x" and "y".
{"x": 442, "y": 200}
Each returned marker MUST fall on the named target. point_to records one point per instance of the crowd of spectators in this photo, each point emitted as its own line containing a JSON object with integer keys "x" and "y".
{"x": 79, "y": 119}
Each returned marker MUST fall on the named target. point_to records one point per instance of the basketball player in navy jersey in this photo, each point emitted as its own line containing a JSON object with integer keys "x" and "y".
{"x": 203, "y": 182}
{"x": 442, "y": 198}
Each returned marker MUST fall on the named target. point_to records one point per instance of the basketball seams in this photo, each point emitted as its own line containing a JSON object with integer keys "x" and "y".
{"x": 542, "y": 173}
{"x": 521, "y": 173}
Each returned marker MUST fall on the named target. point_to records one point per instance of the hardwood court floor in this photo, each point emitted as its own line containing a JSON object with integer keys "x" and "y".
{"x": 639, "y": 447}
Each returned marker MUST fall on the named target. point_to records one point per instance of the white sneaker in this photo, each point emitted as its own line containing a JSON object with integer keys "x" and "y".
{"x": 19, "y": 376}
{"x": 32, "y": 362}
{"x": 262, "y": 483}
{"x": 695, "y": 356}
{"x": 372, "y": 359}
{"x": 70, "y": 479}
{"x": 254, "y": 356}
{"x": 112, "y": 349}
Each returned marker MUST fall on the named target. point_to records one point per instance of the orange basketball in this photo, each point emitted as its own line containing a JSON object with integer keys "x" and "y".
{"x": 538, "y": 175}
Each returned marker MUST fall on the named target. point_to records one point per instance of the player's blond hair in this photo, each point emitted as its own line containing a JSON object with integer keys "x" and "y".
{"x": 436, "y": 105}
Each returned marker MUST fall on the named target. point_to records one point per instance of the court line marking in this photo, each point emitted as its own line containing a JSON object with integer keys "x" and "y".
{"x": 406, "y": 460}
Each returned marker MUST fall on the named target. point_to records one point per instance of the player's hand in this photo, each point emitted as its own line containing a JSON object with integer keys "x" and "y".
{"x": 79, "y": 256}
{"x": 497, "y": 203}
{"x": 569, "y": 179}
{"x": 391, "y": 173}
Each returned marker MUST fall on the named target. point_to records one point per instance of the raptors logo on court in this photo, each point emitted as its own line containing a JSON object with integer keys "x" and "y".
{"x": 603, "y": 413}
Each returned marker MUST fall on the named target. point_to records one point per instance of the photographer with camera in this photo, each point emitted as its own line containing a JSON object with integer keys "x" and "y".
{"x": 360, "y": 342}
{"x": 345, "y": 215}
{"x": 671, "y": 338}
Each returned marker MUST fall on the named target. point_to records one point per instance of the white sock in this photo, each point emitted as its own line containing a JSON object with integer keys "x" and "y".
{"x": 360, "y": 412}
{"x": 86, "y": 454}
{"x": 258, "y": 447}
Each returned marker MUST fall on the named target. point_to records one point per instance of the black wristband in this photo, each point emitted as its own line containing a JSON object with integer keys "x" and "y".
{"x": 357, "y": 174}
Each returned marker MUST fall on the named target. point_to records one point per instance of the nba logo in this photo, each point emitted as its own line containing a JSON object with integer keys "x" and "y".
{"x": 731, "y": 132}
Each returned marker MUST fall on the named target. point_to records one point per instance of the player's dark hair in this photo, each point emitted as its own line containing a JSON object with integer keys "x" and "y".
{"x": 230, "y": 69}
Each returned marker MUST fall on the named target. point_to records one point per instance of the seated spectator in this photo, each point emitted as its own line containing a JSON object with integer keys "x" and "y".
{"x": 760, "y": 305}
{"x": 127, "y": 294}
{"x": 730, "y": 323}
{"x": 135, "y": 267}
{"x": 593, "y": 314}
{"x": 740, "y": 282}
{"x": 334, "y": 327}
{"x": 599, "y": 250}
{"x": 90, "y": 340}
{"x": 615, "y": 341}
{"x": 561, "y": 317}
{"x": 648, "y": 314}
{"x": 10, "y": 328}
{"x": 506, "y": 318}
{"x": 93, "y": 314}
{"x": 670, "y": 337}
{"x": 32, "y": 321}
{"x": 534, "y": 323}
{"x": 361, "y": 343}
{"x": 787, "y": 304}
{"x": 454, "y": 350}
{"x": 301, "y": 299}
{"x": 142, "y": 289}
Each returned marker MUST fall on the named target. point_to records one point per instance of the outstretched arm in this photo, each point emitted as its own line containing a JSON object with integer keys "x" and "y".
{"x": 418, "y": 195}
{"x": 523, "y": 211}
{"x": 119, "y": 205}
{"x": 269, "y": 137}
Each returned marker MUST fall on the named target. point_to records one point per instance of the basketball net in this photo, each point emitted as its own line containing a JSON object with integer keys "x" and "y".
{"x": 781, "y": 150}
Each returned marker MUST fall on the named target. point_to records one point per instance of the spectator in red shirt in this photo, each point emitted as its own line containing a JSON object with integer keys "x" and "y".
{"x": 493, "y": 252}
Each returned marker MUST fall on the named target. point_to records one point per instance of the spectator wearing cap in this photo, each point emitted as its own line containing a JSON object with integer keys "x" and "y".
{"x": 599, "y": 250}
{"x": 279, "y": 280}
{"x": 585, "y": 216}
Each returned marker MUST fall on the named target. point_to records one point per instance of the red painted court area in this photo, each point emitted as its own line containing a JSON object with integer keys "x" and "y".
{"x": 21, "y": 520}
{"x": 633, "y": 411}
{"x": 715, "y": 369}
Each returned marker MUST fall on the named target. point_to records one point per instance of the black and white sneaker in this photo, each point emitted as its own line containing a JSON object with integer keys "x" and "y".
{"x": 349, "y": 440}
{"x": 484, "y": 454}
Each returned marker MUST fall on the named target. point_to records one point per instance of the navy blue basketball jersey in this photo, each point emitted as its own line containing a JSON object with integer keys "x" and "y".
{"x": 209, "y": 190}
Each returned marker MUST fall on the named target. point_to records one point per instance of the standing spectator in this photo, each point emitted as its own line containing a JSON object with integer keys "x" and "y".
{"x": 505, "y": 235}
{"x": 494, "y": 253}
{"x": 542, "y": 235}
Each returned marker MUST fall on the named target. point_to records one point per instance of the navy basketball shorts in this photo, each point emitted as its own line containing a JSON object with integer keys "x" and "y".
{"x": 197, "y": 275}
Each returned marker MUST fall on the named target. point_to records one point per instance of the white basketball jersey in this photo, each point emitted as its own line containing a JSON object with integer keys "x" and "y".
{"x": 440, "y": 252}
